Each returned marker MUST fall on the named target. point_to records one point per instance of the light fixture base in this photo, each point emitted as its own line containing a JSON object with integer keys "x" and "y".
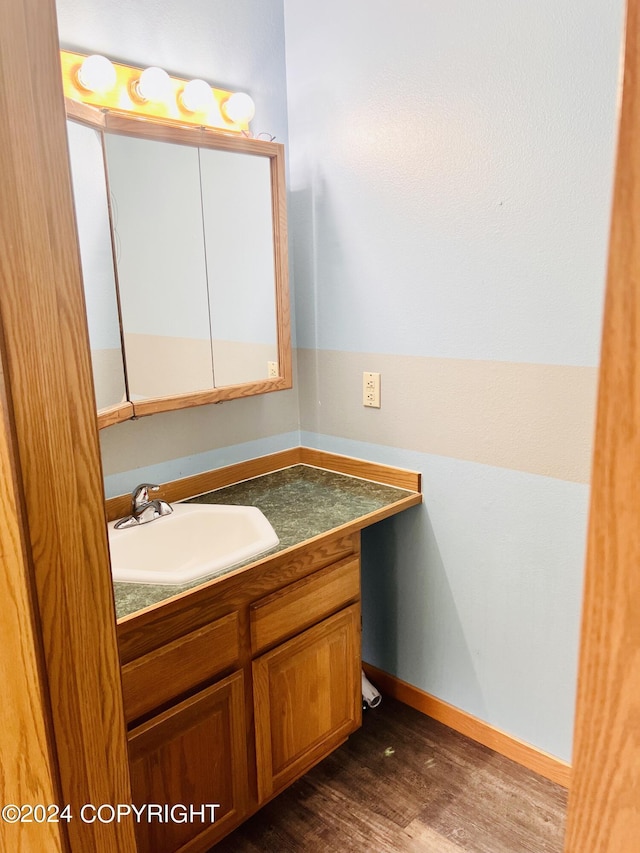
{"x": 124, "y": 98}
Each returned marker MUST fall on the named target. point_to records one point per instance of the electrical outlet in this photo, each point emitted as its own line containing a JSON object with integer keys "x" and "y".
{"x": 272, "y": 369}
{"x": 371, "y": 390}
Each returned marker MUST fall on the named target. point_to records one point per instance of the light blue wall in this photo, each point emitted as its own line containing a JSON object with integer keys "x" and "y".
{"x": 443, "y": 144}
{"x": 451, "y": 172}
{"x": 475, "y": 595}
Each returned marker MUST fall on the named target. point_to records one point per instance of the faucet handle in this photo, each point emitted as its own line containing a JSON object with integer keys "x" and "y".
{"x": 140, "y": 495}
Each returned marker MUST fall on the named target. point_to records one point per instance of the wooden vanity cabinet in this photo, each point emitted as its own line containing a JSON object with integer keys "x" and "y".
{"x": 306, "y": 691}
{"x": 193, "y": 755}
{"x": 307, "y": 699}
{"x": 188, "y": 752}
{"x": 234, "y": 692}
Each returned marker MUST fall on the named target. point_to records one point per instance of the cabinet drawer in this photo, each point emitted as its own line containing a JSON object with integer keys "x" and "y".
{"x": 174, "y": 668}
{"x": 302, "y": 604}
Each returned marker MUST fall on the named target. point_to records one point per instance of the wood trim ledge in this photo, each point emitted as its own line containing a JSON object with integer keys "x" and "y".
{"x": 198, "y": 484}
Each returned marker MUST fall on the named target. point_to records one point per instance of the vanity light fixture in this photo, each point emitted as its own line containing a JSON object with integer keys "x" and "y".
{"x": 151, "y": 93}
{"x": 154, "y": 84}
{"x": 96, "y": 74}
{"x": 197, "y": 96}
{"x": 239, "y": 108}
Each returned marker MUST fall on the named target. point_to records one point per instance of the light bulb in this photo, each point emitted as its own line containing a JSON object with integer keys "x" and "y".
{"x": 154, "y": 84}
{"x": 239, "y": 108}
{"x": 197, "y": 96}
{"x": 96, "y": 74}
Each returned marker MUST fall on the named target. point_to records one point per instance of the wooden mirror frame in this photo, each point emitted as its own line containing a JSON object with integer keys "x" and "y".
{"x": 164, "y": 131}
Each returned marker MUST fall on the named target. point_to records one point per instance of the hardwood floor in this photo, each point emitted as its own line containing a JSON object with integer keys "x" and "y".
{"x": 407, "y": 783}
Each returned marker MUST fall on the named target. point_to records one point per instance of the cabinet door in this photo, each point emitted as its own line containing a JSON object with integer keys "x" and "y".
{"x": 307, "y": 699}
{"x": 194, "y": 754}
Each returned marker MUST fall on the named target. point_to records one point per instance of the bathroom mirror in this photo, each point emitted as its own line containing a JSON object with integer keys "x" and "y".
{"x": 94, "y": 240}
{"x": 198, "y": 268}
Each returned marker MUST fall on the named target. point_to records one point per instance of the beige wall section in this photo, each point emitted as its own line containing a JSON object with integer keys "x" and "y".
{"x": 173, "y": 435}
{"x": 528, "y": 417}
{"x": 237, "y": 361}
{"x": 108, "y": 377}
{"x": 160, "y": 366}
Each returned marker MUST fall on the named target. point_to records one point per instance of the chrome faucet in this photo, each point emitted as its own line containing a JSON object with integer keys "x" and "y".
{"x": 143, "y": 509}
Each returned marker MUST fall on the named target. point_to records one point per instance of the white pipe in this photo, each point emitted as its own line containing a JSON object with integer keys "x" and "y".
{"x": 369, "y": 693}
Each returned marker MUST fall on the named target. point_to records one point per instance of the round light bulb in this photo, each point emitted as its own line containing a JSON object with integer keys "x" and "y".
{"x": 197, "y": 96}
{"x": 239, "y": 108}
{"x": 154, "y": 84}
{"x": 96, "y": 74}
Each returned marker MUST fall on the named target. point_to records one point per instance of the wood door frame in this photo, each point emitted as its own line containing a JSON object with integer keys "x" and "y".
{"x": 28, "y": 720}
{"x": 604, "y": 810}
{"x": 49, "y": 430}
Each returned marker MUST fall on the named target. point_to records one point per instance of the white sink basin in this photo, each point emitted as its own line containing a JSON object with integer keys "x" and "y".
{"x": 195, "y": 540}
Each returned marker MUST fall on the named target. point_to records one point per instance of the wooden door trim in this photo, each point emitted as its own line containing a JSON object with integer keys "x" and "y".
{"x": 51, "y": 418}
{"x": 605, "y": 792}
{"x": 22, "y": 668}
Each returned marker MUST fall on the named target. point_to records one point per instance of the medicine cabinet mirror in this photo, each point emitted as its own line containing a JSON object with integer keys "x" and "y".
{"x": 182, "y": 236}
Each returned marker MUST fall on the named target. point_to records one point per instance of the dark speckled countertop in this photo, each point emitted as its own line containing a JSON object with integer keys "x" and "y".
{"x": 300, "y": 502}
